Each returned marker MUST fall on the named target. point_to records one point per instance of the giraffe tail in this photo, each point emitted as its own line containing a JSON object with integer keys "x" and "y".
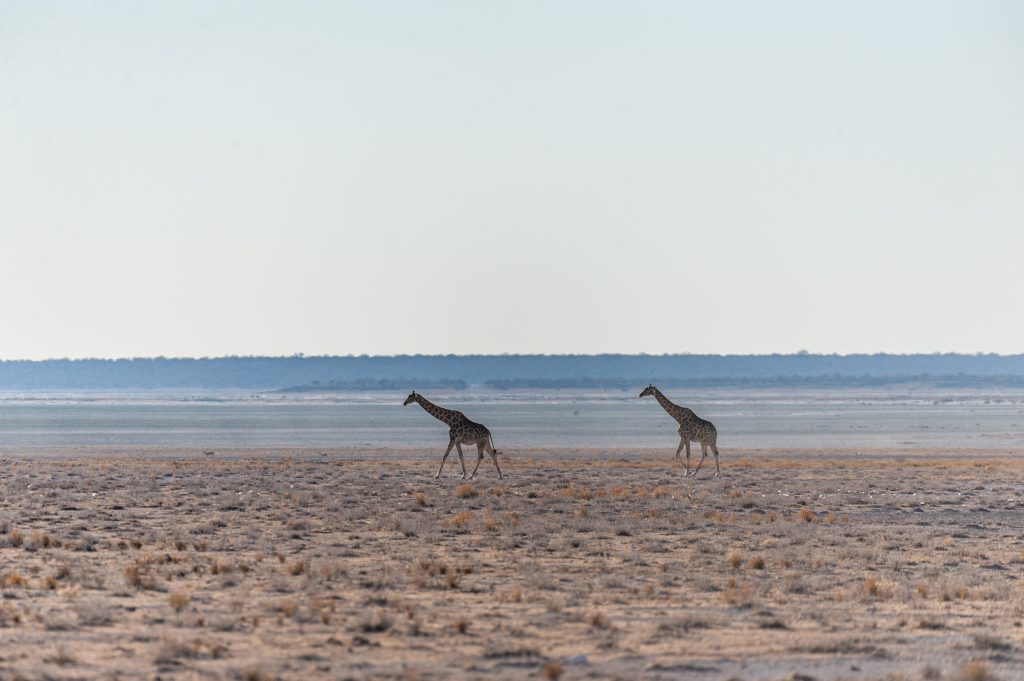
{"x": 493, "y": 448}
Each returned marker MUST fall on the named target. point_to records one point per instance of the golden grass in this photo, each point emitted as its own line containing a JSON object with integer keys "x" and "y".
{"x": 977, "y": 670}
{"x": 466, "y": 491}
{"x": 298, "y": 567}
{"x": 491, "y": 523}
{"x": 304, "y": 557}
{"x": 179, "y": 600}
{"x": 552, "y": 671}
{"x": 872, "y": 587}
{"x": 13, "y": 579}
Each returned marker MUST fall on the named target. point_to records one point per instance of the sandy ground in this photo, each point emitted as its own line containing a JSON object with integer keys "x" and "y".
{"x": 578, "y": 565}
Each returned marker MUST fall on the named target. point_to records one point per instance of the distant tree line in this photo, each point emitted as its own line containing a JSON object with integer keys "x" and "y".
{"x": 370, "y": 385}
{"x": 827, "y": 381}
{"x": 505, "y": 371}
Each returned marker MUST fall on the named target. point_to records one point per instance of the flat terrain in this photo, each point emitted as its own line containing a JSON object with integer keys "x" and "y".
{"x": 578, "y": 565}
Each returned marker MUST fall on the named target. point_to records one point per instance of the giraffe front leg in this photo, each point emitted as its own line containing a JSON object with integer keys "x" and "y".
{"x": 687, "y": 443}
{"x": 679, "y": 449}
{"x": 443, "y": 458}
{"x": 714, "y": 450}
{"x": 458, "y": 446}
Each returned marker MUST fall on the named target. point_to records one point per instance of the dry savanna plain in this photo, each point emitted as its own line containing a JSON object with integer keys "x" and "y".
{"x": 603, "y": 564}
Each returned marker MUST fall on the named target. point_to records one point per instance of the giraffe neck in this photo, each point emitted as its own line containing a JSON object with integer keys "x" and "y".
{"x": 666, "y": 404}
{"x": 439, "y": 413}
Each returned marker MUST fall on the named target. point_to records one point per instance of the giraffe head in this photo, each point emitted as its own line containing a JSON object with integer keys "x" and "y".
{"x": 649, "y": 390}
{"x": 410, "y": 399}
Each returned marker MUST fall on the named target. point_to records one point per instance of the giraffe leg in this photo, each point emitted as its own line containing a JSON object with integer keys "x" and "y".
{"x": 714, "y": 450}
{"x": 458, "y": 446}
{"x": 494, "y": 458}
{"x": 703, "y": 455}
{"x": 479, "y": 458}
{"x": 679, "y": 449}
{"x": 687, "y": 443}
{"x": 444, "y": 458}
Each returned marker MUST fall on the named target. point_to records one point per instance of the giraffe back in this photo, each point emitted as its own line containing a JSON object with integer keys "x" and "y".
{"x": 691, "y": 427}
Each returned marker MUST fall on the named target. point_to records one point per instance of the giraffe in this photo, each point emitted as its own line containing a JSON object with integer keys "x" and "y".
{"x": 691, "y": 427}
{"x": 460, "y": 431}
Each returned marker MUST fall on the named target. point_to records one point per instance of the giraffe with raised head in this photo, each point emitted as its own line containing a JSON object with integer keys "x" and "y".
{"x": 691, "y": 428}
{"x": 460, "y": 431}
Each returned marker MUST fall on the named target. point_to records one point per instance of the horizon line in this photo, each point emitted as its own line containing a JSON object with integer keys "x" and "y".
{"x": 300, "y": 355}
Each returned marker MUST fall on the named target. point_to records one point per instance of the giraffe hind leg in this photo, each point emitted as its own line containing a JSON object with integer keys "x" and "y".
{"x": 714, "y": 450}
{"x": 444, "y": 458}
{"x": 479, "y": 458}
{"x": 494, "y": 458}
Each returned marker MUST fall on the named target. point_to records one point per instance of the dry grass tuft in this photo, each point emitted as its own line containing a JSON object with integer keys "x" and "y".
{"x": 552, "y": 671}
{"x": 172, "y": 649}
{"x": 466, "y": 491}
{"x": 375, "y": 621}
{"x": 298, "y": 567}
{"x": 41, "y": 540}
{"x": 179, "y": 600}
{"x": 251, "y": 674}
{"x": 734, "y": 558}
{"x": 738, "y": 595}
{"x": 420, "y": 498}
{"x": 14, "y": 538}
{"x": 874, "y": 588}
{"x": 13, "y": 578}
{"x": 976, "y": 671}
{"x": 574, "y": 492}
{"x": 491, "y": 523}
{"x": 137, "y": 574}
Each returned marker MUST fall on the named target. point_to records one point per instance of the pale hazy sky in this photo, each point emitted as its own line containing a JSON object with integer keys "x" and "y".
{"x": 204, "y": 178}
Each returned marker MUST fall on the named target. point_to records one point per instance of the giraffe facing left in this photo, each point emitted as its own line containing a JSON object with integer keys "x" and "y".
{"x": 460, "y": 431}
